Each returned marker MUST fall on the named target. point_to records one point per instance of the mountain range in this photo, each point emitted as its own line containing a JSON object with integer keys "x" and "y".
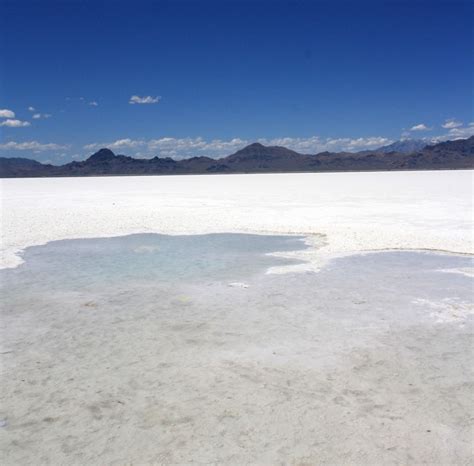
{"x": 257, "y": 158}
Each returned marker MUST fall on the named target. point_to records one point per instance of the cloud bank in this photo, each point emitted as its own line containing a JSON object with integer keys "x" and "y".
{"x": 32, "y": 146}
{"x": 451, "y": 124}
{"x": 457, "y": 132}
{"x": 15, "y": 123}
{"x": 180, "y": 148}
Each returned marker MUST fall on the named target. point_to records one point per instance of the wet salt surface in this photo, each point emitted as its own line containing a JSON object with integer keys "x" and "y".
{"x": 162, "y": 349}
{"x": 149, "y": 259}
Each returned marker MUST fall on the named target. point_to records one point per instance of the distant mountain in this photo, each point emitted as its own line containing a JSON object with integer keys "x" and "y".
{"x": 405, "y": 146}
{"x": 257, "y": 151}
{"x": 255, "y": 158}
{"x": 16, "y": 167}
{"x": 464, "y": 146}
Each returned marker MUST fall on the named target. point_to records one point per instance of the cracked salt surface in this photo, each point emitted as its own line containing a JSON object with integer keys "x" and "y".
{"x": 136, "y": 350}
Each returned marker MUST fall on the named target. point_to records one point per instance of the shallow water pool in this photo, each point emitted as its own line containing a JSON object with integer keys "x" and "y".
{"x": 173, "y": 349}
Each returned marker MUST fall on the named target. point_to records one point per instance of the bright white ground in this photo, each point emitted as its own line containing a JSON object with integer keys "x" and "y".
{"x": 368, "y": 361}
{"x": 352, "y": 211}
{"x": 155, "y": 349}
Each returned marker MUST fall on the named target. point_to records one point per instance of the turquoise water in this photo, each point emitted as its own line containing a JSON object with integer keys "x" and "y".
{"x": 163, "y": 261}
{"x": 147, "y": 258}
{"x": 136, "y": 271}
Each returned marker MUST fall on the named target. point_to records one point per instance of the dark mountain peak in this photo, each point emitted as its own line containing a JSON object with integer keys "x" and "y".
{"x": 102, "y": 155}
{"x": 254, "y": 148}
{"x": 254, "y": 145}
{"x": 259, "y": 151}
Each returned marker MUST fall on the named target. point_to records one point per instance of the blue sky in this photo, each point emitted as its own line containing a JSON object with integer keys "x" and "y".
{"x": 209, "y": 77}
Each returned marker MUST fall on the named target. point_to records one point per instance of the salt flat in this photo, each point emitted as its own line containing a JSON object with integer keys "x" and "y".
{"x": 119, "y": 347}
{"x": 157, "y": 349}
{"x": 347, "y": 211}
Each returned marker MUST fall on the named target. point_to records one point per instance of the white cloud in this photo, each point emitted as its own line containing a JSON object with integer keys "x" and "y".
{"x": 15, "y": 123}
{"x": 459, "y": 132}
{"x": 93, "y": 103}
{"x": 31, "y": 145}
{"x": 316, "y": 144}
{"x": 39, "y": 116}
{"x": 463, "y": 132}
{"x": 135, "y": 99}
{"x": 181, "y": 148}
{"x": 420, "y": 127}
{"x": 32, "y": 109}
{"x": 451, "y": 123}
{"x": 118, "y": 144}
{"x": 5, "y": 113}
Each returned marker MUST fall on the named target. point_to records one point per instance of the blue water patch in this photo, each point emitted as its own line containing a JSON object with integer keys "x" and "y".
{"x": 149, "y": 258}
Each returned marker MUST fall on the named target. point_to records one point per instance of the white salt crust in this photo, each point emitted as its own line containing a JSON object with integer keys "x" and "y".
{"x": 338, "y": 213}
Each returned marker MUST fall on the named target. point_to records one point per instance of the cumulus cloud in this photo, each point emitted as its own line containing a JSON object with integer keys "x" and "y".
{"x": 41, "y": 116}
{"x": 181, "y": 148}
{"x": 93, "y": 103}
{"x": 462, "y": 132}
{"x": 316, "y": 144}
{"x": 15, "y": 123}
{"x": 5, "y": 113}
{"x": 135, "y": 99}
{"x": 420, "y": 127}
{"x": 32, "y": 109}
{"x": 126, "y": 143}
{"x": 451, "y": 124}
{"x": 31, "y": 145}
{"x": 459, "y": 132}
